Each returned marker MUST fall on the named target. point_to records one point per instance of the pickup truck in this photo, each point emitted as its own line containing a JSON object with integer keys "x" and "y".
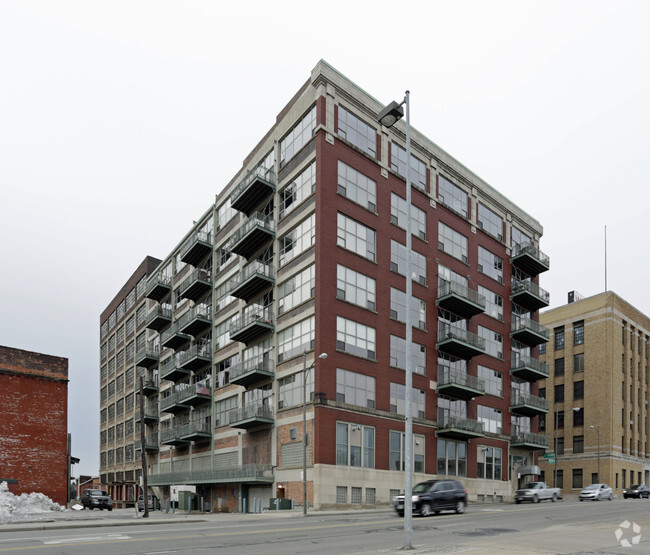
{"x": 96, "y": 499}
{"x": 536, "y": 491}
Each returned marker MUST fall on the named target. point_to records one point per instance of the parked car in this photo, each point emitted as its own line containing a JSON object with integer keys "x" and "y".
{"x": 637, "y": 491}
{"x": 536, "y": 492}
{"x": 154, "y": 503}
{"x": 434, "y": 496}
{"x": 96, "y": 499}
{"x": 596, "y": 492}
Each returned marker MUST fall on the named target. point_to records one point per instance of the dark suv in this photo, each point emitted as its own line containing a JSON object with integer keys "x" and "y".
{"x": 434, "y": 496}
{"x": 96, "y": 499}
{"x": 637, "y": 491}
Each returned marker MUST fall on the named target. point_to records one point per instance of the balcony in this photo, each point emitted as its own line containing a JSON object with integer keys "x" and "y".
{"x": 529, "y": 440}
{"x": 158, "y": 286}
{"x": 173, "y": 371}
{"x": 196, "y": 320}
{"x": 530, "y": 259}
{"x": 195, "y": 394}
{"x": 252, "y": 235}
{"x": 529, "y": 295}
{"x": 253, "y": 279}
{"x": 249, "y": 473}
{"x": 251, "y": 416}
{"x": 459, "y": 342}
{"x": 196, "y": 248}
{"x": 172, "y": 437}
{"x": 526, "y": 404}
{"x": 459, "y": 428}
{"x": 255, "y": 322}
{"x": 174, "y": 403}
{"x": 149, "y": 381}
{"x": 173, "y": 338}
{"x": 150, "y": 413}
{"x": 159, "y": 318}
{"x": 251, "y": 371}
{"x": 253, "y": 189}
{"x": 150, "y": 444}
{"x": 196, "y": 285}
{"x": 197, "y": 356}
{"x": 460, "y": 300}
{"x": 528, "y": 331}
{"x": 458, "y": 384}
{"x": 528, "y": 368}
{"x": 198, "y": 431}
{"x": 147, "y": 356}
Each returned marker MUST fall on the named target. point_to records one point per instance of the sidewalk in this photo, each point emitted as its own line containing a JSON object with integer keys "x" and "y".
{"x": 127, "y": 517}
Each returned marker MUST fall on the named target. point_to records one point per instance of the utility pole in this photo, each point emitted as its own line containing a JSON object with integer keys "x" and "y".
{"x": 145, "y": 490}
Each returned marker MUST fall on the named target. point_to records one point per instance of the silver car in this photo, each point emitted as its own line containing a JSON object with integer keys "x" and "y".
{"x": 596, "y": 492}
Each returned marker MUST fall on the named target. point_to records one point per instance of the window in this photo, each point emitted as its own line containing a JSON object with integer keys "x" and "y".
{"x": 519, "y": 238}
{"x": 355, "y": 389}
{"x": 578, "y": 333}
{"x": 140, "y": 316}
{"x": 298, "y": 137}
{"x": 559, "y": 418}
{"x": 355, "y": 338}
{"x": 398, "y": 261}
{"x": 491, "y": 419}
{"x": 558, "y": 334}
{"x": 298, "y": 190}
{"x": 296, "y": 290}
{"x": 579, "y": 363}
{"x": 578, "y": 444}
{"x": 579, "y": 390}
{"x": 398, "y": 216}
{"x": 493, "y": 303}
{"x": 452, "y": 242}
{"x": 222, "y": 332}
{"x": 493, "y": 342}
{"x": 398, "y": 165}
{"x": 559, "y": 367}
{"x": 560, "y": 445}
{"x": 357, "y": 187}
{"x": 493, "y": 381}
{"x": 296, "y": 339}
{"x": 398, "y": 354}
{"x": 579, "y": 417}
{"x": 357, "y": 132}
{"x": 355, "y": 495}
{"x": 452, "y": 196}
{"x": 290, "y": 389}
{"x": 559, "y": 393}
{"x": 542, "y": 349}
{"x": 490, "y": 264}
{"x": 223, "y": 408}
{"x": 559, "y": 479}
{"x": 577, "y": 478}
{"x": 355, "y": 287}
{"x": 398, "y": 308}
{"x": 488, "y": 465}
{"x": 355, "y": 445}
{"x": 298, "y": 240}
{"x": 398, "y": 400}
{"x": 396, "y": 452}
{"x": 490, "y": 222}
{"x": 341, "y": 494}
{"x": 356, "y": 237}
{"x": 370, "y": 496}
{"x": 452, "y": 458}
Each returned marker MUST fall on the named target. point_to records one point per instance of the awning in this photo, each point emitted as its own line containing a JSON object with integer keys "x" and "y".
{"x": 528, "y": 470}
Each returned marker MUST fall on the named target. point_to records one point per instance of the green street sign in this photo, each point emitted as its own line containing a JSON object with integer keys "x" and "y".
{"x": 549, "y": 455}
{"x": 550, "y": 461}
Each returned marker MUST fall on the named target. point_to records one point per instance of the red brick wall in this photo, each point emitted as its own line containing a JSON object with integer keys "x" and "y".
{"x": 34, "y": 422}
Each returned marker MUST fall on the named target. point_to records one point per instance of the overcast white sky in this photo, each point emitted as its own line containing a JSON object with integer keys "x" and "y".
{"x": 120, "y": 121}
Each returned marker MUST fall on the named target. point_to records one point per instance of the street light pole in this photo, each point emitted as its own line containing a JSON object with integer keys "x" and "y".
{"x": 304, "y": 425}
{"x": 388, "y": 117}
{"x": 597, "y": 428}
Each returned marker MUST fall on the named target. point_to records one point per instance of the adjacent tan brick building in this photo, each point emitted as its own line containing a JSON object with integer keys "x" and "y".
{"x": 598, "y": 388}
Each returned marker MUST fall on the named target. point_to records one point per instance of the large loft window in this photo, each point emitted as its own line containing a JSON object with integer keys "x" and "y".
{"x": 490, "y": 222}
{"x": 355, "y": 338}
{"x": 398, "y": 216}
{"x": 355, "y": 445}
{"x": 357, "y": 132}
{"x": 452, "y": 196}
{"x": 493, "y": 303}
{"x": 398, "y": 354}
{"x": 398, "y": 400}
{"x": 355, "y": 287}
{"x": 398, "y": 260}
{"x": 490, "y": 264}
{"x": 357, "y": 187}
{"x": 298, "y": 240}
{"x": 354, "y": 388}
{"x": 356, "y": 237}
{"x": 298, "y": 190}
{"x": 297, "y": 290}
{"x": 298, "y": 137}
{"x": 296, "y": 339}
{"x": 452, "y": 242}
{"x": 398, "y": 165}
{"x": 398, "y": 308}
{"x": 519, "y": 238}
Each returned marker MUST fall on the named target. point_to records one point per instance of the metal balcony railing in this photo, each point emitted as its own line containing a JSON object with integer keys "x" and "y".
{"x": 449, "y": 376}
{"x": 259, "y": 363}
{"x": 524, "y": 398}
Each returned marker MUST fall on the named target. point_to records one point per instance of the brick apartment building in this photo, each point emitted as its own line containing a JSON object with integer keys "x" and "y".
{"x": 303, "y": 253}
{"x": 598, "y": 393}
{"x": 34, "y": 423}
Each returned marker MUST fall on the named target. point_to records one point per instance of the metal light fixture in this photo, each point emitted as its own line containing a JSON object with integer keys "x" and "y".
{"x": 304, "y": 425}
{"x": 388, "y": 117}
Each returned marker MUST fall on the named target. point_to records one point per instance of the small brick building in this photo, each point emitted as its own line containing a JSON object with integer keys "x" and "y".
{"x": 34, "y": 422}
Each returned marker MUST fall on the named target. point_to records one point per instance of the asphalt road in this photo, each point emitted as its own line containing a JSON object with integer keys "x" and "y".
{"x": 562, "y": 527}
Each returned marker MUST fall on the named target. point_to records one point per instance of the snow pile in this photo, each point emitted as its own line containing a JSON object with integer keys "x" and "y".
{"x": 20, "y": 507}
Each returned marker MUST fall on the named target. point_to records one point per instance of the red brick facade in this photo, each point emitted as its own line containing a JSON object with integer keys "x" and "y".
{"x": 34, "y": 422}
